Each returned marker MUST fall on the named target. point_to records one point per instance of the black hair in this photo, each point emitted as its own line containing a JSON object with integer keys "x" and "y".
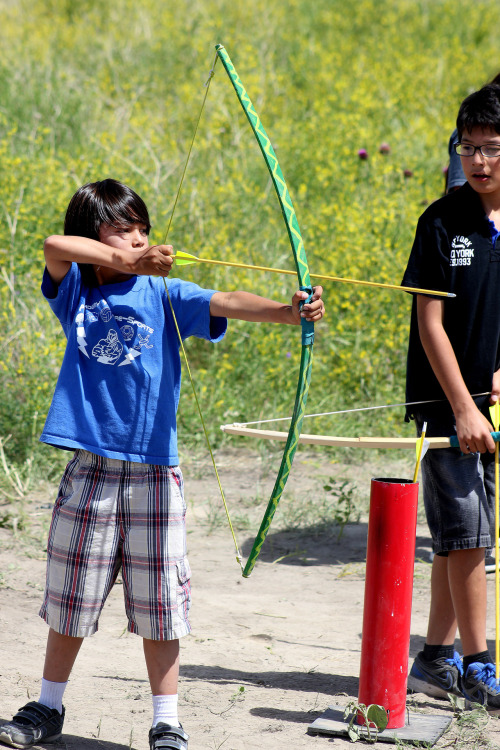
{"x": 104, "y": 202}
{"x": 480, "y": 110}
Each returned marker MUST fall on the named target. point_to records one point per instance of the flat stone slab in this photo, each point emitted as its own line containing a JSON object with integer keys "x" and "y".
{"x": 419, "y": 727}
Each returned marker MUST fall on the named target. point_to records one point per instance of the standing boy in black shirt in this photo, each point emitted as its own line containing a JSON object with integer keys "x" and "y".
{"x": 454, "y": 352}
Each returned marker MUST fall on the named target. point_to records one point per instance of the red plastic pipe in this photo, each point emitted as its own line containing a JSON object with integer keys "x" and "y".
{"x": 390, "y": 558}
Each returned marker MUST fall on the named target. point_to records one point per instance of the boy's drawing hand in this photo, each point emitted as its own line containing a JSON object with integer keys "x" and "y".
{"x": 156, "y": 260}
{"x": 473, "y": 432}
{"x": 313, "y": 311}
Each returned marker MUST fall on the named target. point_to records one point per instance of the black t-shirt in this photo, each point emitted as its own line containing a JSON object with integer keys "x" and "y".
{"x": 454, "y": 252}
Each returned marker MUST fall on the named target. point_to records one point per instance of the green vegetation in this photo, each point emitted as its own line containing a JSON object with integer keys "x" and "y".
{"x": 91, "y": 90}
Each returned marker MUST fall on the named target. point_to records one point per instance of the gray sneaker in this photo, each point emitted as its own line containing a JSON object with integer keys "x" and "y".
{"x": 479, "y": 685}
{"x": 32, "y": 724}
{"x": 435, "y": 678}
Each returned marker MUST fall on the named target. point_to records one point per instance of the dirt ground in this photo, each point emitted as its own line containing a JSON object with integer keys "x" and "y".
{"x": 267, "y": 654}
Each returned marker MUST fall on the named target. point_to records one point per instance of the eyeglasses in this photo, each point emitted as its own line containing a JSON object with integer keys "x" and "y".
{"x": 467, "y": 149}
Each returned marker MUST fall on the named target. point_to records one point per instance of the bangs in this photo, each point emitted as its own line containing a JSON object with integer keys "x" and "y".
{"x": 122, "y": 208}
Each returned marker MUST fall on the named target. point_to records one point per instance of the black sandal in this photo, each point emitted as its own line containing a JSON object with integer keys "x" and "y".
{"x": 167, "y": 737}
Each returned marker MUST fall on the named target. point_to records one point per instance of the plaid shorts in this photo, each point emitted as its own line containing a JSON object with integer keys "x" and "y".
{"x": 115, "y": 516}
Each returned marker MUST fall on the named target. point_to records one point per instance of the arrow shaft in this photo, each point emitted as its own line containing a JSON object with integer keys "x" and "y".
{"x": 381, "y": 285}
{"x": 323, "y": 277}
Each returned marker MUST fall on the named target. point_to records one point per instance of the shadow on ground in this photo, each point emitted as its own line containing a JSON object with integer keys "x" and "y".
{"x": 307, "y": 682}
{"x": 72, "y": 742}
{"x": 313, "y": 546}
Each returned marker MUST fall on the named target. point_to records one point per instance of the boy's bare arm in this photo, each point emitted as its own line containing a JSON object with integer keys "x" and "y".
{"x": 246, "y": 306}
{"x": 61, "y": 250}
{"x": 473, "y": 429}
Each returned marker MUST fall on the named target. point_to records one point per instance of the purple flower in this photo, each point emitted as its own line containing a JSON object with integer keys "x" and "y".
{"x": 384, "y": 148}
{"x": 408, "y": 173}
{"x": 363, "y": 154}
{"x": 288, "y": 355}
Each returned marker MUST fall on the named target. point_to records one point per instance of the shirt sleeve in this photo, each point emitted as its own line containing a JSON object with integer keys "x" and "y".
{"x": 63, "y": 298}
{"x": 191, "y": 304}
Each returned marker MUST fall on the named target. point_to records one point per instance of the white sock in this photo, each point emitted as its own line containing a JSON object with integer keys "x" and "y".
{"x": 165, "y": 710}
{"x": 51, "y": 694}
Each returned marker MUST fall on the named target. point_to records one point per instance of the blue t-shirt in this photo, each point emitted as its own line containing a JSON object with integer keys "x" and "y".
{"x": 118, "y": 388}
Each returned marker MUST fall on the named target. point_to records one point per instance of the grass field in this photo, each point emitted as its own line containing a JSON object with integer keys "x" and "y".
{"x": 91, "y": 90}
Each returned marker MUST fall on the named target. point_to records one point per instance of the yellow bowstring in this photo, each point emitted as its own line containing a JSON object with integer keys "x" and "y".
{"x": 420, "y": 446}
{"x": 497, "y": 571}
{"x": 239, "y": 557}
{"x": 207, "y": 87}
{"x": 495, "y": 418}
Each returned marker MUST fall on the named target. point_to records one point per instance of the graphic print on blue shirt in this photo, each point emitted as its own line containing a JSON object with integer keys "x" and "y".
{"x": 114, "y": 339}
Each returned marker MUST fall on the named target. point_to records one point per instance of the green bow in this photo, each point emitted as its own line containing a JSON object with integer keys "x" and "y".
{"x": 302, "y": 267}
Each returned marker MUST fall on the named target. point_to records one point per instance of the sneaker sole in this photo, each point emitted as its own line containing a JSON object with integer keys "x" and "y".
{"x": 490, "y": 568}
{"x": 471, "y": 705}
{"x": 6, "y": 740}
{"x": 421, "y": 686}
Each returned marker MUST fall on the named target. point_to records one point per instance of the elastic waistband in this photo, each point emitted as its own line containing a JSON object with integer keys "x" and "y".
{"x": 93, "y": 461}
